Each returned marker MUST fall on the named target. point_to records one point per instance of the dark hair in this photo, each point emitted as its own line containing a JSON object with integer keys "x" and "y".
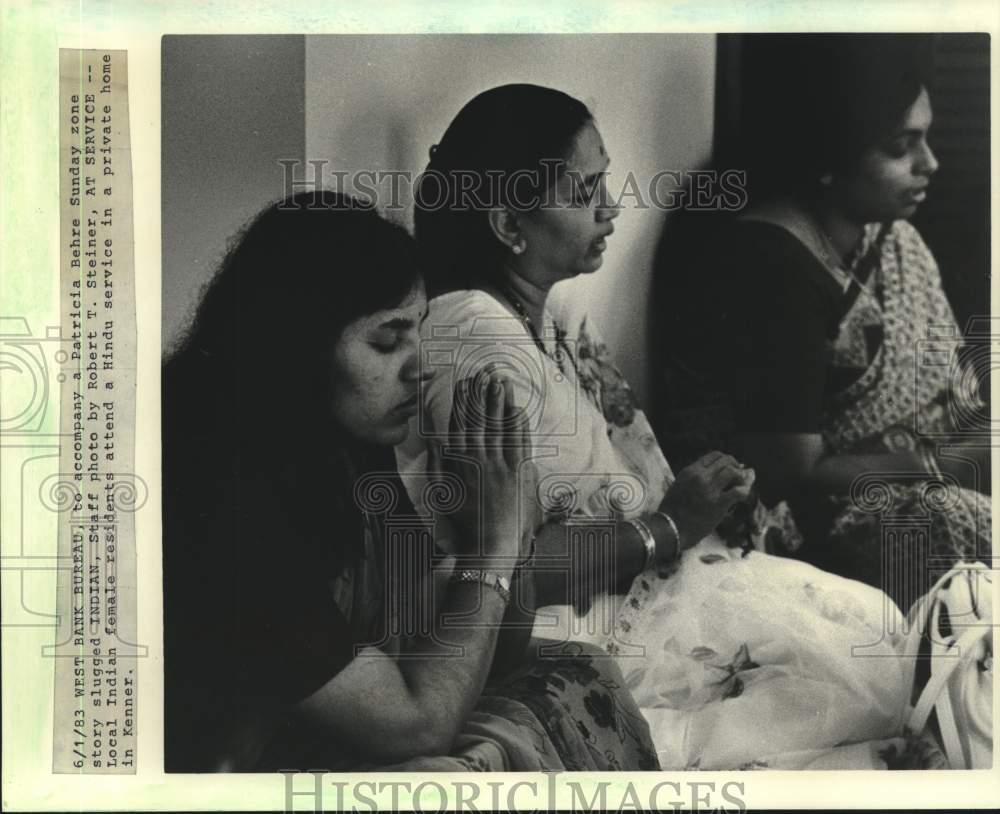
{"x": 247, "y": 393}
{"x": 814, "y": 103}
{"x": 505, "y": 145}
{"x": 299, "y": 272}
{"x": 258, "y": 500}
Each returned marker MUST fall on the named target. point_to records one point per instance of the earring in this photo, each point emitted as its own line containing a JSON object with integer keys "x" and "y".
{"x": 519, "y": 247}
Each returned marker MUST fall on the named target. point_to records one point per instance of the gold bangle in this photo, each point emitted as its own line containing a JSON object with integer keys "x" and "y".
{"x": 648, "y": 540}
{"x": 663, "y": 567}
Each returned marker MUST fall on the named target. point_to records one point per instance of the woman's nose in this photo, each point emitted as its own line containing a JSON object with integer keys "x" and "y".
{"x": 928, "y": 161}
{"x": 608, "y": 210}
{"x": 414, "y": 371}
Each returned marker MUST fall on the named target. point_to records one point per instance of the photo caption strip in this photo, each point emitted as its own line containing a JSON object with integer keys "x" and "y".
{"x": 97, "y": 492}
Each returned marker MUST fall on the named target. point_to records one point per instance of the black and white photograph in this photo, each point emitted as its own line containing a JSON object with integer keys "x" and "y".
{"x": 506, "y": 406}
{"x": 576, "y": 402}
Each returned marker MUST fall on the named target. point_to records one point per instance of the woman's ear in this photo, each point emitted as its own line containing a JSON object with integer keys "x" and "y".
{"x": 505, "y": 226}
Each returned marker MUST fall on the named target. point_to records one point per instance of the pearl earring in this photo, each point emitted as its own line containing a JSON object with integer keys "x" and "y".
{"x": 518, "y": 247}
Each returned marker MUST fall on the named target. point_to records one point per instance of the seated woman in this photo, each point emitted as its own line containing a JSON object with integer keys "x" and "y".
{"x": 735, "y": 657}
{"x": 303, "y": 621}
{"x": 816, "y": 341}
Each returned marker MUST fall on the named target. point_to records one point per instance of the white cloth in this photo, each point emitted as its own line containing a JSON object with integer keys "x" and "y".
{"x": 761, "y": 661}
{"x": 746, "y": 662}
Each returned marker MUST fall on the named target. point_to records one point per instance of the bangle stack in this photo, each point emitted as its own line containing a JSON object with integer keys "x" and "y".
{"x": 648, "y": 541}
{"x": 664, "y": 566}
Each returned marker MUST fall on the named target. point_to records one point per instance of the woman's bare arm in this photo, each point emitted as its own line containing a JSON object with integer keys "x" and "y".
{"x": 567, "y": 570}
{"x": 788, "y": 464}
{"x": 393, "y": 709}
{"x": 573, "y": 568}
{"x": 518, "y": 622}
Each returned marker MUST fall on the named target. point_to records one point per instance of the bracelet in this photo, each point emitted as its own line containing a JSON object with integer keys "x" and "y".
{"x": 498, "y": 583}
{"x": 663, "y": 566}
{"x": 648, "y": 540}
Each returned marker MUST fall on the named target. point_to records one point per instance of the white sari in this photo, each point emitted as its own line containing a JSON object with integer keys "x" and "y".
{"x": 736, "y": 660}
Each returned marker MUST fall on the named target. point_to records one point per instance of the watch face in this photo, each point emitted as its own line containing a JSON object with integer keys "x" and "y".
{"x": 484, "y": 577}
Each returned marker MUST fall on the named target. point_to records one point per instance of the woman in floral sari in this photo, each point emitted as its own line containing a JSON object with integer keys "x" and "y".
{"x": 817, "y": 341}
{"x": 736, "y": 658}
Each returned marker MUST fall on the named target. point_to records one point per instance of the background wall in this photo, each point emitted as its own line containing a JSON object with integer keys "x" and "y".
{"x": 955, "y": 219}
{"x": 379, "y": 103}
{"x": 231, "y": 107}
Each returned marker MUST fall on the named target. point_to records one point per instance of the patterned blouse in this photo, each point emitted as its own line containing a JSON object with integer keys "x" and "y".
{"x": 595, "y": 454}
{"x": 593, "y": 447}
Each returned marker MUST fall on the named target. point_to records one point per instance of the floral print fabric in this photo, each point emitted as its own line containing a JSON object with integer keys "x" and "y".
{"x": 566, "y": 711}
{"x": 907, "y": 396}
{"x": 752, "y": 661}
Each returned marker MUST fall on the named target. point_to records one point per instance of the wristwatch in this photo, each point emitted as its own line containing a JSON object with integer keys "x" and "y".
{"x": 498, "y": 583}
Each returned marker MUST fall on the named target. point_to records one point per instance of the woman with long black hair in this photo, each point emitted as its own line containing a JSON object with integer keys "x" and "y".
{"x": 303, "y": 598}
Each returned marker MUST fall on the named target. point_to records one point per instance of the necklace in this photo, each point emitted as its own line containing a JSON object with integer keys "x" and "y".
{"x": 839, "y": 268}
{"x": 562, "y": 350}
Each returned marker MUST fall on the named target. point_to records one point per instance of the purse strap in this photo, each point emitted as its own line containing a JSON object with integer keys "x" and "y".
{"x": 935, "y": 694}
{"x": 926, "y": 607}
{"x": 946, "y": 657}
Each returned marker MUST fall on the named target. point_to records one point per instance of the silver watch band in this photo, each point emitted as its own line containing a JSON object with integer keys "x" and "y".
{"x": 495, "y": 581}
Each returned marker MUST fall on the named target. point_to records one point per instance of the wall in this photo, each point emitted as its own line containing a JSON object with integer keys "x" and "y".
{"x": 231, "y": 107}
{"x": 379, "y": 103}
{"x": 955, "y": 218}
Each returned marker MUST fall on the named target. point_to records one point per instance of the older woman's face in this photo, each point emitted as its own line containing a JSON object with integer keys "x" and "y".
{"x": 377, "y": 371}
{"x": 890, "y": 180}
{"x": 569, "y": 238}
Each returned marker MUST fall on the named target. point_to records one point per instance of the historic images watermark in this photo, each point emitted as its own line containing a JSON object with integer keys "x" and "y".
{"x": 556, "y": 790}
{"x": 698, "y": 190}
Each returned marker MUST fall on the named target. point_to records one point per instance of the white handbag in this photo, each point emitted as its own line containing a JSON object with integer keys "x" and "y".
{"x": 953, "y": 624}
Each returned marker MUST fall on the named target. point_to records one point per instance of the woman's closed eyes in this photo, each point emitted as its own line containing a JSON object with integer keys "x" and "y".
{"x": 386, "y": 344}
{"x": 588, "y": 190}
{"x": 390, "y": 336}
